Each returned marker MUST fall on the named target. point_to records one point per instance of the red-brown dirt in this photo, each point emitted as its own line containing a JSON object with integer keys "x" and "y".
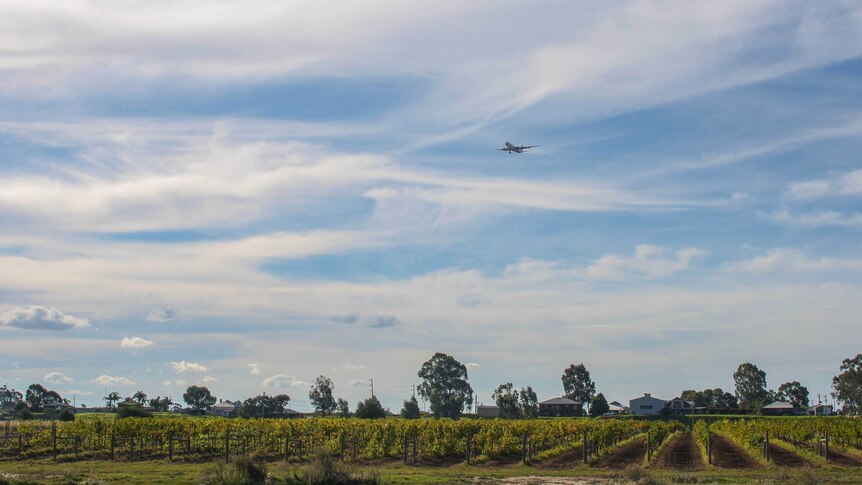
{"x": 682, "y": 453}
{"x": 726, "y": 454}
{"x": 626, "y": 455}
{"x": 784, "y": 457}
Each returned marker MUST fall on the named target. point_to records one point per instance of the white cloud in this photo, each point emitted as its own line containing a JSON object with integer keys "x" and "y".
{"x": 472, "y": 365}
{"x": 77, "y": 392}
{"x": 175, "y": 382}
{"x": 282, "y": 380}
{"x": 254, "y": 369}
{"x": 135, "y": 342}
{"x": 106, "y": 380}
{"x": 184, "y": 366}
{"x": 163, "y": 315}
{"x": 41, "y": 318}
{"x": 817, "y": 219}
{"x": 845, "y": 184}
{"x": 209, "y": 380}
{"x": 647, "y": 261}
{"x": 794, "y": 260}
{"x": 350, "y": 366}
{"x": 57, "y": 378}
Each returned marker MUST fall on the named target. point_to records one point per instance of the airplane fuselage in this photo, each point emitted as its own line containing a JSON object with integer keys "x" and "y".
{"x": 515, "y": 149}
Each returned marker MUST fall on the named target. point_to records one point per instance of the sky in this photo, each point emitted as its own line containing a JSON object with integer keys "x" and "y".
{"x": 247, "y": 195}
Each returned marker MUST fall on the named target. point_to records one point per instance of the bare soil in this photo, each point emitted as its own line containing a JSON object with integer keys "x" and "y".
{"x": 682, "y": 453}
{"x": 839, "y": 457}
{"x": 626, "y": 455}
{"x": 726, "y": 454}
{"x": 784, "y": 457}
{"x": 566, "y": 459}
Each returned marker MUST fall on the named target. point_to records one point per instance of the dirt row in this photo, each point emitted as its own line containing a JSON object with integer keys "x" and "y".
{"x": 727, "y": 454}
{"x": 680, "y": 453}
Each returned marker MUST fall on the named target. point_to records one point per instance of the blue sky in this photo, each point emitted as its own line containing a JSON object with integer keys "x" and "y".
{"x": 247, "y": 198}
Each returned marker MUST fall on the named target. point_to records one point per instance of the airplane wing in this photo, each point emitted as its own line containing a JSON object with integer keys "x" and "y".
{"x": 531, "y": 146}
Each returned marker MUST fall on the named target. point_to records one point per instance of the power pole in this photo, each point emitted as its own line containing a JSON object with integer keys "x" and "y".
{"x": 372, "y": 387}
{"x": 414, "y": 391}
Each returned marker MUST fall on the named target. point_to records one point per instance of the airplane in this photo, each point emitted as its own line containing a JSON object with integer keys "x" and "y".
{"x": 512, "y": 148}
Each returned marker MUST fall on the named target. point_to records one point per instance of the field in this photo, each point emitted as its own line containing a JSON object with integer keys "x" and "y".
{"x": 169, "y": 450}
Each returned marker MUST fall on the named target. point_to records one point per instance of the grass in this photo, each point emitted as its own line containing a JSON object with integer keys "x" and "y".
{"x": 162, "y": 472}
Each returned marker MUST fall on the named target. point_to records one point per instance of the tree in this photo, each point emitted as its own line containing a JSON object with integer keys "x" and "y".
{"x": 577, "y": 384}
{"x": 343, "y": 408}
{"x": 264, "y": 406}
{"x": 161, "y": 404}
{"x": 9, "y": 397}
{"x": 370, "y": 409}
{"x": 794, "y": 393}
{"x": 444, "y": 386}
{"x": 112, "y": 398}
{"x": 710, "y": 398}
{"x": 599, "y": 405}
{"x": 529, "y": 403}
{"x": 848, "y": 384}
{"x": 750, "y": 386}
{"x": 37, "y": 397}
{"x": 321, "y": 396}
{"x": 410, "y": 409}
{"x": 140, "y": 397}
{"x": 506, "y": 399}
{"x": 199, "y": 397}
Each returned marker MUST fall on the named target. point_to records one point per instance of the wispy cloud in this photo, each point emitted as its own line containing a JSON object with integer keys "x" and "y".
{"x": 57, "y": 378}
{"x": 135, "y": 342}
{"x": 106, "y": 380}
{"x": 184, "y": 366}
{"x": 282, "y": 380}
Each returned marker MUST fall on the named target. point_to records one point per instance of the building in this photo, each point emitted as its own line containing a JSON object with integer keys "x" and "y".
{"x": 225, "y": 409}
{"x": 780, "y": 408}
{"x": 646, "y": 405}
{"x": 488, "y": 412}
{"x": 290, "y": 413}
{"x": 820, "y": 410}
{"x": 679, "y": 405}
{"x": 560, "y": 407}
{"x": 58, "y": 407}
{"x": 616, "y": 408}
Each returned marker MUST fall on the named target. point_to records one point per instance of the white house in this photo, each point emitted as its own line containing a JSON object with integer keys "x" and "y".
{"x": 820, "y": 410}
{"x": 488, "y": 412}
{"x": 646, "y": 405}
{"x": 225, "y": 409}
{"x": 615, "y": 407}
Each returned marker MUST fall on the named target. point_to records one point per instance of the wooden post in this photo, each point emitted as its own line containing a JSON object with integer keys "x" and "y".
{"x": 77, "y": 439}
{"x": 826, "y": 448}
{"x": 709, "y": 447}
{"x": 343, "y": 445}
{"x": 113, "y": 443}
{"x": 766, "y": 446}
{"x": 286, "y": 447}
{"x": 20, "y": 443}
{"x": 648, "y": 446}
{"x": 415, "y": 441}
{"x": 170, "y": 446}
{"x": 524, "y": 449}
{"x": 467, "y": 450}
{"x": 584, "y": 450}
{"x": 54, "y": 438}
{"x": 404, "y": 447}
{"x": 227, "y": 447}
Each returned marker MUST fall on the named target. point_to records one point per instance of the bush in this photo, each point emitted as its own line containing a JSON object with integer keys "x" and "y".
{"x": 244, "y": 470}
{"x": 66, "y": 415}
{"x": 324, "y": 469}
{"x": 25, "y": 414}
{"x": 133, "y": 412}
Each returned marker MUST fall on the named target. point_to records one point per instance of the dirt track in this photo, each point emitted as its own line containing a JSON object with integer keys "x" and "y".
{"x": 682, "y": 453}
{"x": 783, "y": 457}
{"x": 726, "y": 454}
{"x": 839, "y": 457}
{"x": 628, "y": 454}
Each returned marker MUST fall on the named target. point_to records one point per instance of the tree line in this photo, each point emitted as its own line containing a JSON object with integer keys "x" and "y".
{"x": 446, "y": 389}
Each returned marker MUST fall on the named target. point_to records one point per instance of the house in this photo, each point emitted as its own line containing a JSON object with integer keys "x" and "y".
{"x": 820, "y": 410}
{"x": 616, "y": 408}
{"x": 57, "y": 407}
{"x": 488, "y": 412}
{"x": 560, "y": 406}
{"x": 646, "y": 405}
{"x": 679, "y": 405}
{"x": 780, "y": 408}
{"x": 225, "y": 409}
{"x": 290, "y": 413}
{"x": 176, "y": 409}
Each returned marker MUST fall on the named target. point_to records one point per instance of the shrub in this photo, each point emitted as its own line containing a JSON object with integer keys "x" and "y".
{"x": 133, "y": 412}
{"x": 66, "y": 415}
{"x": 244, "y": 470}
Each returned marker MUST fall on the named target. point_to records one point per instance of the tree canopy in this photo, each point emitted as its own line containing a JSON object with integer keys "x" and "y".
{"x": 848, "y": 384}
{"x": 445, "y": 386}
{"x": 38, "y": 396}
{"x": 750, "y": 386}
{"x": 343, "y": 408}
{"x": 577, "y": 384}
{"x": 515, "y": 403}
{"x": 263, "y": 406}
{"x": 710, "y": 398}
{"x": 321, "y": 396}
{"x": 794, "y": 393}
{"x": 411, "y": 409}
{"x": 599, "y": 405}
{"x": 199, "y": 397}
{"x": 370, "y": 409}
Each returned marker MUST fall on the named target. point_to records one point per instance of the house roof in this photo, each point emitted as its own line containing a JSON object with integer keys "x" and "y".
{"x": 225, "y": 405}
{"x": 779, "y": 405}
{"x": 690, "y": 403}
{"x": 560, "y": 400}
{"x": 292, "y": 412}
